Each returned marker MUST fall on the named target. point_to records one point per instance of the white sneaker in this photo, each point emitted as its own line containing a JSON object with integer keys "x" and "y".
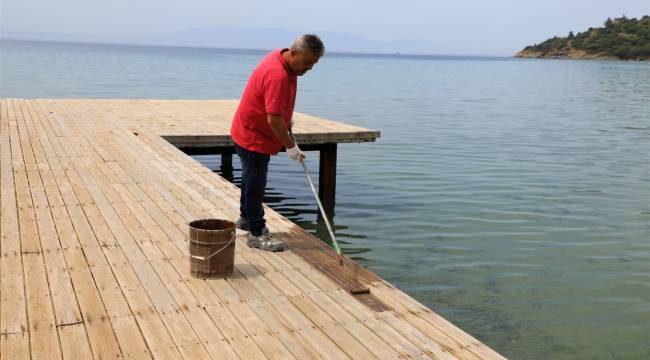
{"x": 265, "y": 242}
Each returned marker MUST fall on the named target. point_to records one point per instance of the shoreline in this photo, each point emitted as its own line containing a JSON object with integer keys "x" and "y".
{"x": 581, "y": 56}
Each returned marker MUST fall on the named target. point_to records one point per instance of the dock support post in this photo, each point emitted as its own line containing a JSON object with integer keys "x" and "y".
{"x": 226, "y": 166}
{"x": 327, "y": 177}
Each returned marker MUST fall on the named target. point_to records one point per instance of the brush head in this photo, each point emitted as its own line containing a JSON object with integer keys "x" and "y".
{"x": 360, "y": 291}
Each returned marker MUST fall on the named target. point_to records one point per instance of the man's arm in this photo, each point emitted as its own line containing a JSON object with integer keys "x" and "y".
{"x": 280, "y": 130}
{"x": 276, "y": 122}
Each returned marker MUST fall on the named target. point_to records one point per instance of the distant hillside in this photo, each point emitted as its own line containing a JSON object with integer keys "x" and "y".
{"x": 618, "y": 39}
{"x": 221, "y": 37}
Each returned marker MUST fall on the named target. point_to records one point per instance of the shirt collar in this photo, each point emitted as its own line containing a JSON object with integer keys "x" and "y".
{"x": 284, "y": 62}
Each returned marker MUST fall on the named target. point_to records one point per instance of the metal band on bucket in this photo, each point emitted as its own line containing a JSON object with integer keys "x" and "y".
{"x": 232, "y": 239}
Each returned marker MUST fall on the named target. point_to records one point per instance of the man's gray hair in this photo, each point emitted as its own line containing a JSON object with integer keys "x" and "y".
{"x": 309, "y": 43}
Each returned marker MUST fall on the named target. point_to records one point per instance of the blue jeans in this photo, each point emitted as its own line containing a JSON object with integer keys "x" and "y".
{"x": 254, "y": 168}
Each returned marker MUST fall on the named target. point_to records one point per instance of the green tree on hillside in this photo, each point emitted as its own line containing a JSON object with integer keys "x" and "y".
{"x": 625, "y": 38}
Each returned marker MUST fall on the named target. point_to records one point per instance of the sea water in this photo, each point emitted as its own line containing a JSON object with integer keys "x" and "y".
{"x": 511, "y": 196}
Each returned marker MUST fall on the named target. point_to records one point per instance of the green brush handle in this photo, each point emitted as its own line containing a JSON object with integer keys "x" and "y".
{"x": 336, "y": 247}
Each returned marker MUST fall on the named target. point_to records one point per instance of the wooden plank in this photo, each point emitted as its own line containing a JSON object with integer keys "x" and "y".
{"x": 206, "y": 192}
{"x": 74, "y": 342}
{"x": 207, "y": 330}
{"x": 404, "y": 329}
{"x": 145, "y": 295}
{"x": 174, "y": 314}
{"x": 44, "y": 342}
{"x": 130, "y": 253}
{"x": 121, "y": 317}
{"x": 430, "y": 322}
{"x": 434, "y": 347}
{"x": 100, "y": 333}
{"x": 112, "y": 207}
{"x": 412, "y": 335}
{"x": 354, "y": 321}
{"x": 335, "y": 331}
{"x": 66, "y": 309}
{"x": 291, "y": 338}
{"x": 179, "y": 290}
{"x": 268, "y": 347}
{"x": 187, "y": 303}
{"x": 323, "y": 258}
{"x": 229, "y": 294}
{"x": 327, "y": 322}
{"x": 26, "y": 219}
{"x": 225, "y": 320}
{"x": 15, "y": 345}
{"x": 242, "y": 339}
{"x": 14, "y": 339}
{"x": 271, "y": 347}
{"x": 334, "y": 305}
{"x": 212, "y": 118}
{"x": 324, "y": 345}
{"x": 275, "y": 324}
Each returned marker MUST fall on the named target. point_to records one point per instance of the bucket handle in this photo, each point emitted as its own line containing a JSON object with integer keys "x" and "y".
{"x": 202, "y": 258}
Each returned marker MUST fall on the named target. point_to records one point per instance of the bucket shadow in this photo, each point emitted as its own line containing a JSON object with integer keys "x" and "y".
{"x": 241, "y": 268}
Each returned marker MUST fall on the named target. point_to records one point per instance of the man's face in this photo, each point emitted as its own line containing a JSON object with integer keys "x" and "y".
{"x": 301, "y": 62}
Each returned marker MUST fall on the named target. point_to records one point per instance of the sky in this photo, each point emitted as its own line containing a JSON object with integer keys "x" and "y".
{"x": 461, "y": 27}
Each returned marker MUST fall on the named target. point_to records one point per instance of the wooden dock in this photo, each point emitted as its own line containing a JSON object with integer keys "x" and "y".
{"x": 95, "y": 202}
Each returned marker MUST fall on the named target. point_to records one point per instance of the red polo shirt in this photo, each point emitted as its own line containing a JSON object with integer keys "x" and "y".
{"x": 271, "y": 89}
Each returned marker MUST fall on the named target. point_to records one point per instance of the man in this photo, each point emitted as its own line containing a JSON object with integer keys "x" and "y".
{"x": 261, "y": 127}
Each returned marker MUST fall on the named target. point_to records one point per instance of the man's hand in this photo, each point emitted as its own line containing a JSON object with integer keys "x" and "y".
{"x": 276, "y": 122}
{"x": 296, "y": 154}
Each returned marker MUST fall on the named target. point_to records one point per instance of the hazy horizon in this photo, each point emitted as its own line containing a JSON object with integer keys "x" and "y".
{"x": 499, "y": 28}
{"x": 252, "y": 49}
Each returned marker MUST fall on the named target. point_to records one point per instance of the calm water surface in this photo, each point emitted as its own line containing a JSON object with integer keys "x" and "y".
{"x": 510, "y": 196}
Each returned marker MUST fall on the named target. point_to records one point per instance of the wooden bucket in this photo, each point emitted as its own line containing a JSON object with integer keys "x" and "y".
{"x": 211, "y": 245}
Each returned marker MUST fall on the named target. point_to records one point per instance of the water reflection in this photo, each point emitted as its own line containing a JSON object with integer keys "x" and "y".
{"x": 301, "y": 209}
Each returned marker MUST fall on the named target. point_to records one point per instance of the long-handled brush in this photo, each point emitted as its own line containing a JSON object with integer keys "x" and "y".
{"x": 335, "y": 244}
